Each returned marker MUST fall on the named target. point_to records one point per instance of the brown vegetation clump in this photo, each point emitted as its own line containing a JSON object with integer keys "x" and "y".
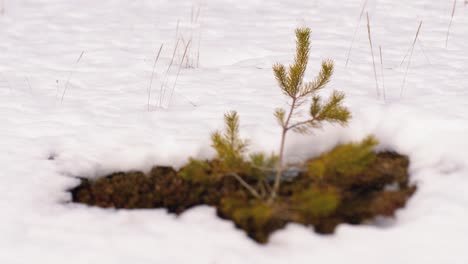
{"x": 322, "y": 202}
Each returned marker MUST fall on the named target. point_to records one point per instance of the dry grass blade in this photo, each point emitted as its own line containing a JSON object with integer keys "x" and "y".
{"x": 177, "y": 30}
{"x": 406, "y": 55}
{"x": 422, "y": 50}
{"x": 355, "y": 31}
{"x": 178, "y": 71}
{"x": 383, "y": 75}
{"x": 71, "y": 75}
{"x": 450, "y": 24}
{"x": 57, "y": 91}
{"x": 410, "y": 56}
{"x": 186, "y": 51}
{"x": 372, "y": 53}
{"x": 195, "y": 14}
{"x": 163, "y": 84}
{"x": 28, "y": 83}
{"x": 198, "y": 49}
{"x": 152, "y": 75}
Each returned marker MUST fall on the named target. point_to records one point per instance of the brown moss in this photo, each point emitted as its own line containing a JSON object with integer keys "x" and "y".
{"x": 322, "y": 202}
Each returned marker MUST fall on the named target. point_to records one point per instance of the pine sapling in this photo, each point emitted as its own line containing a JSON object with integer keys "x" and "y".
{"x": 228, "y": 145}
{"x": 231, "y": 149}
{"x": 290, "y": 80}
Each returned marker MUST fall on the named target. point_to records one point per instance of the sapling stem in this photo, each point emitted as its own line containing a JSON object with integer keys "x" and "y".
{"x": 280, "y": 170}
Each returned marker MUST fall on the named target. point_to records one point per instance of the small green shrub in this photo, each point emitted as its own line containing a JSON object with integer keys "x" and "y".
{"x": 348, "y": 159}
{"x": 230, "y": 148}
{"x": 316, "y": 201}
{"x": 255, "y": 216}
{"x": 197, "y": 171}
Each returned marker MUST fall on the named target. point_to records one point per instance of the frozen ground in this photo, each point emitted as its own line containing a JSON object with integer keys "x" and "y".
{"x": 103, "y": 123}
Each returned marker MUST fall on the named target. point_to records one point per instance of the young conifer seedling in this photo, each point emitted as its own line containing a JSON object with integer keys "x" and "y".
{"x": 290, "y": 80}
{"x": 230, "y": 150}
{"x": 230, "y": 147}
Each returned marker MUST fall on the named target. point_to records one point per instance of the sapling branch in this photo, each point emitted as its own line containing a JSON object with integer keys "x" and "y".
{"x": 298, "y": 124}
{"x": 247, "y": 186}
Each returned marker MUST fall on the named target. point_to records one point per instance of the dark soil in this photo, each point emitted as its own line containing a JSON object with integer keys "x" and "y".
{"x": 380, "y": 190}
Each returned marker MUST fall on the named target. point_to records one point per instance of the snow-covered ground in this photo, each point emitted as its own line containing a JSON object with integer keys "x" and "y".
{"x": 103, "y": 123}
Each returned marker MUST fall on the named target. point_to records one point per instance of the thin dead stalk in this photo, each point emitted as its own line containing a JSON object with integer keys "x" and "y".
{"x": 178, "y": 71}
{"x": 57, "y": 91}
{"x": 372, "y": 53}
{"x": 152, "y": 75}
{"x": 197, "y": 16}
{"x": 383, "y": 75}
{"x": 185, "y": 56}
{"x": 162, "y": 90}
{"x": 71, "y": 75}
{"x": 406, "y": 55}
{"x": 355, "y": 31}
{"x": 177, "y": 30}
{"x": 422, "y": 50}
{"x": 198, "y": 47}
{"x": 29, "y": 84}
{"x": 450, "y": 24}
{"x": 409, "y": 60}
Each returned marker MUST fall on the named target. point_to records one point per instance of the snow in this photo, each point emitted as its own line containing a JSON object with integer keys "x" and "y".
{"x": 103, "y": 123}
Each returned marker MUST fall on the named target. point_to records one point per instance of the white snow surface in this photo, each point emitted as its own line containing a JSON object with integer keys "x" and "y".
{"x": 103, "y": 123}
